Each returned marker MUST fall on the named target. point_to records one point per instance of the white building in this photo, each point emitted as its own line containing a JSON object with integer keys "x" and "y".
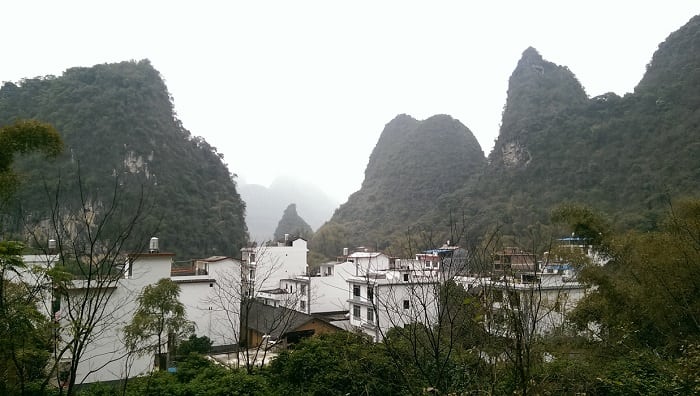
{"x": 265, "y": 266}
{"x": 103, "y": 358}
{"x": 211, "y": 291}
{"x": 381, "y": 300}
{"x": 323, "y": 292}
{"x": 368, "y": 262}
{"x": 540, "y": 300}
{"x": 329, "y": 288}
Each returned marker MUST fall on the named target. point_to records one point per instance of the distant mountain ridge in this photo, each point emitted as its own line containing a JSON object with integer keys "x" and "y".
{"x": 118, "y": 123}
{"x": 264, "y": 205}
{"x": 625, "y": 156}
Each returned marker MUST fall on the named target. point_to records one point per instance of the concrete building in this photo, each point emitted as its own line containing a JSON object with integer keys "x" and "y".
{"x": 114, "y": 302}
{"x": 390, "y": 298}
{"x": 265, "y": 266}
{"x": 211, "y": 291}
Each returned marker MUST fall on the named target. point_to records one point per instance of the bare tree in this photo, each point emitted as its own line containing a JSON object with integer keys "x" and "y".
{"x": 92, "y": 239}
{"x": 237, "y": 293}
{"x": 527, "y": 295}
{"x": 427, "y": 321}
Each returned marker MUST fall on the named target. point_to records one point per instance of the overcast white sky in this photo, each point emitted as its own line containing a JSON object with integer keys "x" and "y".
{"x": 306, "y": 87}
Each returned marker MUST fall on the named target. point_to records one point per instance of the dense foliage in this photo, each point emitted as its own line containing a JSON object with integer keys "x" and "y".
{"x": 117, "y": 123}
{"x": 412, "y": 165}
{"x": 159, "y": 321}
{"x": 24, "y": 137}
{"x": 623, "y": 156}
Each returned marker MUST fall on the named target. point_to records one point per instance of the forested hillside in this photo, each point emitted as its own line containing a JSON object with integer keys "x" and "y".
{"x": 413, "y": 164}
{"x": 120, "y": 130}
{"x": 624, "y": 156}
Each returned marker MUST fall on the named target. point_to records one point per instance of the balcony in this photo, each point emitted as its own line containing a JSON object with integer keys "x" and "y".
{"x": 368, "y": 324}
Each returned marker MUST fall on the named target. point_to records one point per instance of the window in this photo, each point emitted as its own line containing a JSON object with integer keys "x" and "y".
{"x": 370, "y": 293}
{"x": 303, "y": 289}
{"x": 329, "y": 271}
{"x": 406, "y": 304}
{"x": 356, "y": 311}
{"x": 405, "y": 277}
{"x": 252, "y": 258}
{"x": 252, "y": 274}
{"x": 370, "y": 314}
{"x": 302, "y": 304}
{"x": 356, "y": 290}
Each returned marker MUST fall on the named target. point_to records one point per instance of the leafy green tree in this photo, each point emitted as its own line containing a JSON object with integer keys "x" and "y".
{"x": 23, "y": 137}
{"x": 194, "y": 344}
{"x": 649, "y": 271}
{"x": 197, "y": 375}
{"x": 159, "y": 315}
{"x": 336, "y": 364}
{"x": 584, "y": 223}
{"x": 25, "y": 334}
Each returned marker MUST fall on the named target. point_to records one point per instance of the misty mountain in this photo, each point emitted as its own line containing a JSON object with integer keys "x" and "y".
{"x": 293, "y": 225}
{"x": 413, "y": 164}
{"x": 264, "y": 205}
{"x": 623, "y": 156}
{"x": 120, "y": 131}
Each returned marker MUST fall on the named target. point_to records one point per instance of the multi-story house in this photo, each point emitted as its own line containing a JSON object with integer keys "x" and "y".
{"x": 211, "y": 290}
{"x": 265, "y": 266}
{"x": 536, "y": 294}
{"x": 380, "y": 300}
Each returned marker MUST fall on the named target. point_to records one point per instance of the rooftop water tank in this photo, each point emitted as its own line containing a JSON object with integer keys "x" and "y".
{"x": 153, "y": 245}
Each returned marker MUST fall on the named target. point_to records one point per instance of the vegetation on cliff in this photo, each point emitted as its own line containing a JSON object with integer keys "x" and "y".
{"x": 119, "y": 128}
{"x": 624, "y": 156}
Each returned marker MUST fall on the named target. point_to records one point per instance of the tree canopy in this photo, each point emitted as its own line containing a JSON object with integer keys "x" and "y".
{"x": 159, "y": 315}
{"x": 24, "y": 137}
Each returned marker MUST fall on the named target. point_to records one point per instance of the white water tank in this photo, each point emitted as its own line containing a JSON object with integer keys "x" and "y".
{"x": 153, "y": 245}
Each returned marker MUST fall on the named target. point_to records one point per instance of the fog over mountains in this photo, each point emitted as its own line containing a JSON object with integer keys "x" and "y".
{"x": 624, "y": 156}
{"x": 265, "y": 205}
